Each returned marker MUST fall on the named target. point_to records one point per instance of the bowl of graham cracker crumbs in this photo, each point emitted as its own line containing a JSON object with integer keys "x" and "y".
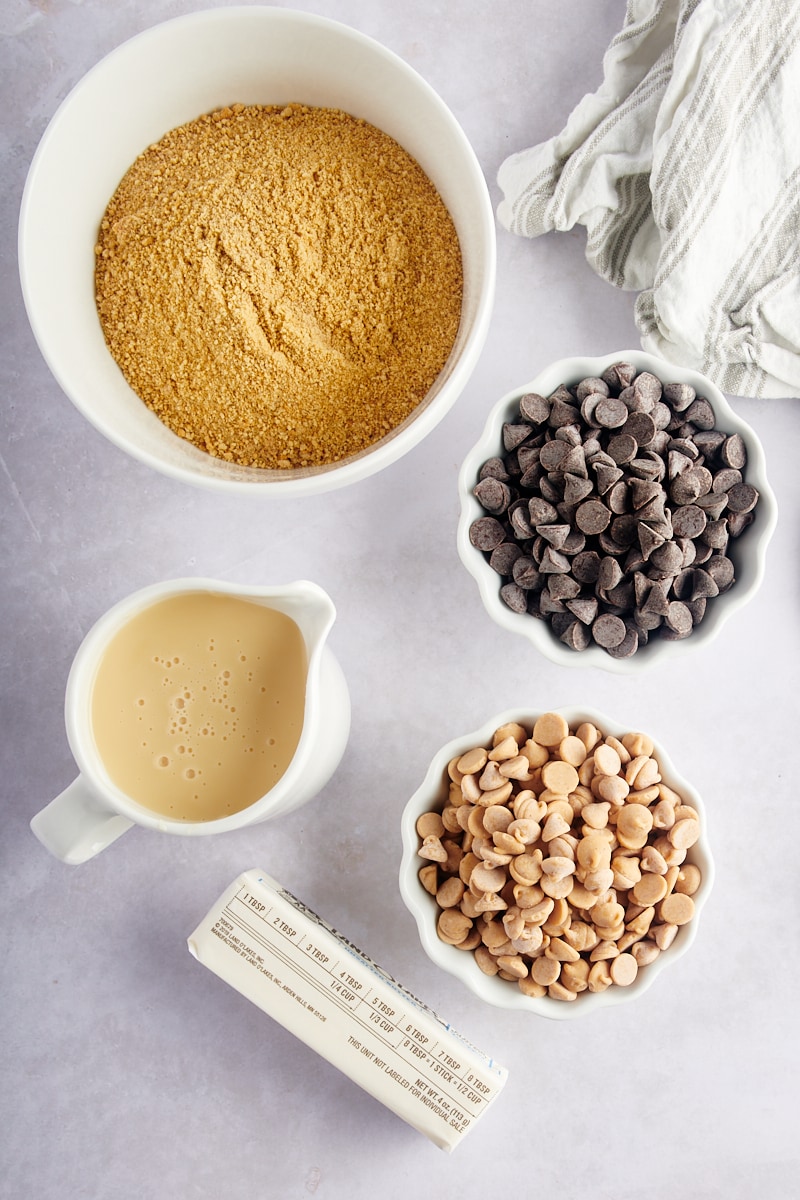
{"x": 257, "y": 251}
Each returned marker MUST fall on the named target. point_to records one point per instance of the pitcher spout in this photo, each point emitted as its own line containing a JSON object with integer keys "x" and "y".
{"x": 312, "y": 610}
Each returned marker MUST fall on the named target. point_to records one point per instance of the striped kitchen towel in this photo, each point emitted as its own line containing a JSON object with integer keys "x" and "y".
{"x": 684, "y": 167}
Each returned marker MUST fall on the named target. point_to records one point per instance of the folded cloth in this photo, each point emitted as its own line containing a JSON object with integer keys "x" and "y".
{"x": 684, "y": 167}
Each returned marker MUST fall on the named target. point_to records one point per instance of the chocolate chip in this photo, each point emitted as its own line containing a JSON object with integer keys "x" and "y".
{"x": 556, "y": 535}
{"x": 606, "y": 476}
{"x": 679, "y": 618}
{"x": 709, "y": 441}
{"x": 553, "y": 561}
{"x": 586, "y": 566}
{"x": 662, "y": 417}
{"x": 646, "y": 468}
{"x": 553, "y": 454}
{"x": 532, "y": 476}
{"x": 518, "y": 515}
{"x": 657, "y": 601}
{"x": 646, "y": 385}
{"x": 562, "y": 413}
{"x": 576, "y": 636}
{"x": 733, "y": 452}
{"x": 513, "y": 435}
{"x": 609, "y": 573}
{"x": 584, "y": 608}
{"x": 666, "y": 560}
{"x": 642, "y": 491}
{"x": 620, "y": 597}
{"x": 649, "y": 539}
{"x": 610, "y": 413}
{"x": 608, "y": 630}
{"x": 703, "y": 584}
{"x": 654, "y": 510}
{"x": 493, "y": 468}
{"x": 486, "y": 533}
{"x": 688, "y": 521}
{"x": 620, "y": 375}
{"x": 575, "y": 543}
{"x": 627, "y": 647}
{"x": 721, "y": 571}
{"x": 679, "y": 395}
{"x": 701, "y": 414}
{"x": 607, "y": 544}
{"x": 541, "y": 512}
{"x": 624, "y": 529}
{"x": 641, "y": 427}
{"x": 563, "y": 587}
{"x": 514, "y": 597}
{"x": 576, "y": 488}
{"x": 713, "y": 504}
{"x": 624, "y": 446}
{"x": 589, "y": 405}
{"x": 742, "y": 498}
{"x": 592, "y": 516}
{"x": 534, "y": 408}
{"x": 589, "y": 385}
{"x": 526, "y": 573}
{"x": 722, "y": 480}
{"x": 738, "y": 522}
{"x": 493, "y": 494}
{"x": 688, "y": 486}
{"x": 715, "y": 534}
{"x": 504, "y": 556}
{"x": 678, "y": 462}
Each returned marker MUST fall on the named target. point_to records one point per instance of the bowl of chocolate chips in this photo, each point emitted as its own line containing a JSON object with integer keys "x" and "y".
{"x": 613, "y": 507}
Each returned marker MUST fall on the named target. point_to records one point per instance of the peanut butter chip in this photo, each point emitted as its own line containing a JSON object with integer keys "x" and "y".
{"x": 688, "y": 880}
{"x": 649, "y": 889}
{"x": 550, "y": 729}
{"x": 453, "y": 926}
{"x": 545, "y": 971}
{"x": 430, "y": 825}
{"x": 554, "y": 826}
{"x": 606, "y": 760}
{"x": 684, "y": 834}
{"x": 433, "y": 849}
{"x": 599, "y": 977}
{"x": 560, "y": 777}
{"x": 624, "y": 969}
{"x": 473, "y": 761}
{"x": 428, "y": 878}
{"x": 677, "y": 909}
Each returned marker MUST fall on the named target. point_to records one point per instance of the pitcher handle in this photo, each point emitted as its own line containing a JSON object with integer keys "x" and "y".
{"x": 77, "y": 824}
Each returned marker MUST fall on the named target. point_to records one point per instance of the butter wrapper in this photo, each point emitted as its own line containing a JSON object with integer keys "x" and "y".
{"x": 269, "y": 946}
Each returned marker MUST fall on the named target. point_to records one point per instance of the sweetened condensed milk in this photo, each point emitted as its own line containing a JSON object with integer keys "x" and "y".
{"x": 198, "y": 704}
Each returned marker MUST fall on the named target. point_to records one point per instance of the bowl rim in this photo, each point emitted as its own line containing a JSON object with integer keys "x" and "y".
{"x": 461, "y": 964}
{"x": 538, "y": 632}
{"x": 454, "y": 374}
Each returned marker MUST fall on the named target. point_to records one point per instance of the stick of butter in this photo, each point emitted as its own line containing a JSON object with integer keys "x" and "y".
{"x": 284, "y": 958}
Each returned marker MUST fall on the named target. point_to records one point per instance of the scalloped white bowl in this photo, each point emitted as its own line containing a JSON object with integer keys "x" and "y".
{"x": 171, "y": 74}
{"x": 461, "y": 963}
{"x": 748, "y": 552}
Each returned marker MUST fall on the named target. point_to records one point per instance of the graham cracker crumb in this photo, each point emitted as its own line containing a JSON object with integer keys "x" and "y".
{"x": 280, "y": 285}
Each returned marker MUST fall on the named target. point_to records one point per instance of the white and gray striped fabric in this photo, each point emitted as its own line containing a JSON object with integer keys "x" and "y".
{"x": 684, "y": 167}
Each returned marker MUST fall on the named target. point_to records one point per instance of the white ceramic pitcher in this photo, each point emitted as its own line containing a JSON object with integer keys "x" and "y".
{"x": 92, "y": 812}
